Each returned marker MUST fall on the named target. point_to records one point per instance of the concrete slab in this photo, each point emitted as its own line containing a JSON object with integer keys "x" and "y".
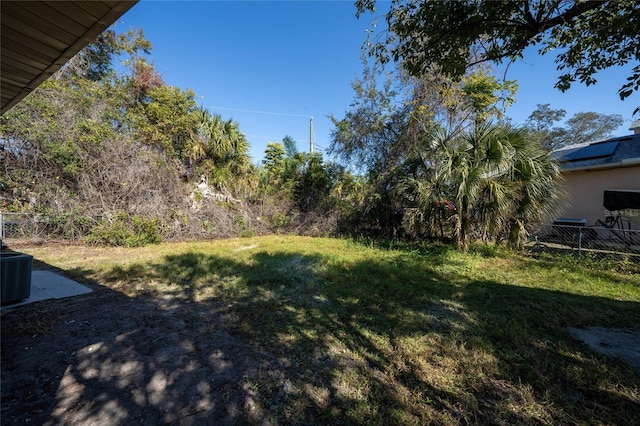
{"x": 49, "y": 285}
{"x": 612, "y": 342}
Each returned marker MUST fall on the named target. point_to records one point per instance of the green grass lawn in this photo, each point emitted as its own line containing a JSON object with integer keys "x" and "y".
{"x": 398, "y": 334}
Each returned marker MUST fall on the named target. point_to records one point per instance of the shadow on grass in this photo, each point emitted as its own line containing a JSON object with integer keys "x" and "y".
{"x": 289, "y": 338}
{"x": 108, "y": 359}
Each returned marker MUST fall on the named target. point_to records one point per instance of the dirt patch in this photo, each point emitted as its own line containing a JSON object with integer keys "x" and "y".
{"x": 618, "y": 343}
{"x": 104, "y": 358}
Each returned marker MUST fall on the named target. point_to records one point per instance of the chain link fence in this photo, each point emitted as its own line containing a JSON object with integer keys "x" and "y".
{"x": 17, "y": 226}
{"x": 32, "y": 226}
{"x": 555, "y": 237}
{"x": 584, "y": 239}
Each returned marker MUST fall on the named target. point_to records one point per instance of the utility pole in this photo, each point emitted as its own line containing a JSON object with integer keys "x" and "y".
{"x": 311, "y": 136}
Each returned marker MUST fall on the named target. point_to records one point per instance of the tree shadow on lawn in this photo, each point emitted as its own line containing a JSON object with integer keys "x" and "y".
{"x": 290, "y": 338}
{"x": 396, "y": 345}
{"x": 109, "y": 359}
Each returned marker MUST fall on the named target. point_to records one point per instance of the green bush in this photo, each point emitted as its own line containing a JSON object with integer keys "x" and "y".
{"x": 248, "y": 233}
{"x": 126, "y": 231}
{"x": 146, "y": 230}
{"x": 277, "y": 221}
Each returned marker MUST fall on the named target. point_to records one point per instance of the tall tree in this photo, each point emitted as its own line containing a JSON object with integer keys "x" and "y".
{"x": 313, "y": 186}
{"x": 387, "y": 120}
{"x": 290, "y": 147}
{"x": 541, "y": 129}
{"x": 369, "y": 135}
{"x": 165, "y": 119}
{"x": 543, "y": 118}
{"x": 586, "y": 36}
{"x": 96, "y": 61}
{"x": 582, "y": 127}
{"x": 431, "y": 150}
{"x": 273, "y": 163}
{"x": 591, "y": 126}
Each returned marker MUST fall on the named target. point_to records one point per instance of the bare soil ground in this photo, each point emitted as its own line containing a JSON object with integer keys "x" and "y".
{"x": 106, "y": 359}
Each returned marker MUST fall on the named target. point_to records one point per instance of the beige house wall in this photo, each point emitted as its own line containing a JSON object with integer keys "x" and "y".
{"x": 585, "y": 190}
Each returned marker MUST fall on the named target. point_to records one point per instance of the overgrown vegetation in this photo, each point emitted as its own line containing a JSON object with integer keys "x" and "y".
{"x": 440, "y": 163}
{"x": 113, "y": 155}
{"x": 109, "y": 153}
{"x": 363, "y": 332}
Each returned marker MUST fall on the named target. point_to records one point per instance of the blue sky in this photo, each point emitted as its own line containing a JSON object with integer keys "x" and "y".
{"x": 272, "y": 65}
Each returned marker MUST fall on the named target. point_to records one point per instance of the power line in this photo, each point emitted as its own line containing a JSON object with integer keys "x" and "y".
{"x": 277, "y": 138}
{"x": 297, "y": 140}
{"x": 258, "y": 112}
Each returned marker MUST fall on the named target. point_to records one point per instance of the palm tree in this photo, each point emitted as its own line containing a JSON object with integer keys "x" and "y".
{"x": 505, "y": 181}
{"x": 219, "y": 149}
{"x": 423, "y": 187}
{"x": 536, "y": 175}
{"x": 497, "y": 180}
{"x": 237, "y": 146}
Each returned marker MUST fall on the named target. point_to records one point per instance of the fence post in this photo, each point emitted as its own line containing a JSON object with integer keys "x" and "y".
{"x": 579, "y": 242}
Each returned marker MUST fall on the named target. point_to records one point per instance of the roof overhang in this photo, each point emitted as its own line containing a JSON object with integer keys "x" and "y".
{"x": 39, "y": 37}
{"x": 628, "y": 162}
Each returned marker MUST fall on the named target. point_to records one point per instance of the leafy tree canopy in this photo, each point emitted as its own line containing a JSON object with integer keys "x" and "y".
{"x": 582, "y": 127}
{"x": 387, "y": 119}
{"x": 274, "y": 157}
{"x": 96, "y": 61}
{"x": 589, "y": 36}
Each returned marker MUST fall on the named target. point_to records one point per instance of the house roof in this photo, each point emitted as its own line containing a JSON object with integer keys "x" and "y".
{"x": 623, "y": 151}
{"x": 40, "y": 37}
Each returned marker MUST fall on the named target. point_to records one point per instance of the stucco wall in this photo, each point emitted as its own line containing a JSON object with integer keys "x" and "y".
{"x": 585, "y": 191}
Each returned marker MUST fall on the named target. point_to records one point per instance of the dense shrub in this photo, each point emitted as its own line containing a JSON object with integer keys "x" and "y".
{"x": 127, "y": 231}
